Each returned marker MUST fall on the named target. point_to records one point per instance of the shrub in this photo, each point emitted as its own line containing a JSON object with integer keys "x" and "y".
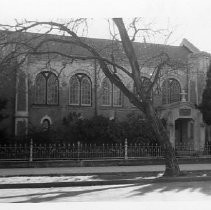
{"x": 97, "y": 130}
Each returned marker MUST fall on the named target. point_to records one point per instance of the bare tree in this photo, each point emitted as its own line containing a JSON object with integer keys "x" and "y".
{"x": 122, "y": 47}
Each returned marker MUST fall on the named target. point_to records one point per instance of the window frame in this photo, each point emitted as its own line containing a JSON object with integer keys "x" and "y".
{"x": 169, "y": 95}
{"x": 80, "y": 77}
{"x": 111, "y": 94}
{"x": 78, "y": 91}
{"x": 144, "y": 79}
{"x": 46, "y": 75}
{"x": 85, "y": 77}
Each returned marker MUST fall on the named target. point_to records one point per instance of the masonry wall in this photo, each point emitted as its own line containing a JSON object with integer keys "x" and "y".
{"x": 187, "y": 80}
{"x": 7, "y": 91}
{"x": 58, "y": 112}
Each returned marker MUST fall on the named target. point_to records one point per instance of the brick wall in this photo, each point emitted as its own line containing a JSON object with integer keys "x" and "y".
{"x": 7, "y": 91}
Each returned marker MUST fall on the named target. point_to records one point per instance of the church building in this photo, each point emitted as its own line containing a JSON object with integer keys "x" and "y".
{"x": 47, "y": 88}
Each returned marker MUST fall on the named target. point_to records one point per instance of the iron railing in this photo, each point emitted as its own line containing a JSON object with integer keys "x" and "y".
{"x": 92, "y": 151}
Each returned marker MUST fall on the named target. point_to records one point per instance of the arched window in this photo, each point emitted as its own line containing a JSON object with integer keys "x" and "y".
{"x": 145, "y": 84}
{"x": 106, "y": 92}
{"x": 74, "y": 91}
{"x": 40, "y": 89}
{"x": 46, "y": 125}
{"x": 46, "y": 88}
{"x": 175, "y": 91}
{"x": 80, "y": 90}
{"x": 170, "y": 91}
{"x": 86, "y": 89}
{"x": 117, "y": 96}
{"x": 111, "y": 94}
{"x": 52, "y": 89}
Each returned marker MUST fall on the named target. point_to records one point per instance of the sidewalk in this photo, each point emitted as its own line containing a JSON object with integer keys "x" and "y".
{"x": 96, "y": 170}
{"x": 90, "y": 176}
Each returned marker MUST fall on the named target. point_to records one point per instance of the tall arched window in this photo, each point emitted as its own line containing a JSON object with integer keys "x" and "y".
{"x": 86, "y": 89}
{"x": 175, "y": 91}
{"x": 52, "y": 89}
{"x": 171, "y": 90}
{"x": 145, "y": 84}
{"x": 111, "y": 94}
{"x": 46, "y": 88}
{"x": 106, "y": 92}
{"x": 117, "y": 96}
{"x": 74, "y": 91}
{"x": 40, "y": 89}
{"x": 80, "y": 90}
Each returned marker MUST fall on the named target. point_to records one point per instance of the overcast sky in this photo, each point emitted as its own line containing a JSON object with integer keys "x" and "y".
{"x": 189, "y": 19}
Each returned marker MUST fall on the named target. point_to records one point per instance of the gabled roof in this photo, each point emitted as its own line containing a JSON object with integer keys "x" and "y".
{"x": 144, "y": 51}
{"x": 147, "y": 50}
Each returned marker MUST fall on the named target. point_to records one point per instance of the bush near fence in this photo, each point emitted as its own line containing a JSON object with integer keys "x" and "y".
{"x": 97, "y": 130}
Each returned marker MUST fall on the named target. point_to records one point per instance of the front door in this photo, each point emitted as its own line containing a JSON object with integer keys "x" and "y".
{"x": 184, "y": 131}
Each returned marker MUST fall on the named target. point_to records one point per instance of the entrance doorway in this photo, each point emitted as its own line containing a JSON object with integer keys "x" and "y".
{"x": 184, "y": 131}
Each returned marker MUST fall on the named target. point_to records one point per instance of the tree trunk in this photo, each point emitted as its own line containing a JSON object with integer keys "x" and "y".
{"x": 172, "y": 167}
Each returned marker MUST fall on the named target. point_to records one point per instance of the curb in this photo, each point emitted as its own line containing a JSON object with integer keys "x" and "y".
{"x": 94, "y": 173}
{"x": 84, "y": 174}
{"x": 143, "y": 161}
{"x": 110, "y": 182}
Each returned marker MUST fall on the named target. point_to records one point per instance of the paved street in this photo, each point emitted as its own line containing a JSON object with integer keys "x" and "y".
{"x": 180, "y": 191}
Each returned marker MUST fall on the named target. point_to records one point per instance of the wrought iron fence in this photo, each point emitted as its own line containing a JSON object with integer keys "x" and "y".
{"x": 92, "y": 151}
{"x": 14, "y": 152}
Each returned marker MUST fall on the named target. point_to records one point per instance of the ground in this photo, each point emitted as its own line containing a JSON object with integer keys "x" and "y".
{"x": 174, "y": 191}
{"x": 142, "y": 188}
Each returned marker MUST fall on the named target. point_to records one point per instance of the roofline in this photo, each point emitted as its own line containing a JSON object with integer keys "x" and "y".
{"x": 189, "y": 46}
{"x": 100, "y": 39}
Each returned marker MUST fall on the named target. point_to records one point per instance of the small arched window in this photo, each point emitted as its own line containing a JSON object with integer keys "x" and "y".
{"x": 111, "y": 94}
{"x": 46, "y": 125}
{"x": 46, "y": 88}
{"x": 80, "y": 92}
{"x": 171, "y": 91}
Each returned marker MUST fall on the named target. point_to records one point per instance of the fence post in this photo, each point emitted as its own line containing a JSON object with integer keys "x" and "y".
{"x": 126, "y": 146}
{"x": 78, "y": 149}
{"x": 31, "y": 151}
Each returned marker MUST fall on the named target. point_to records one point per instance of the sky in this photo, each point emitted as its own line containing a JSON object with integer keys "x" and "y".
{"x": 190, "y": 19}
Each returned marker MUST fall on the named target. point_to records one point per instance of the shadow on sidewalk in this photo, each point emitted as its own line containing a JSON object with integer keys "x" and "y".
{"x": 53, "y": 194}
{"x": 176, "y": 187}
{"x": 133, "y": 190}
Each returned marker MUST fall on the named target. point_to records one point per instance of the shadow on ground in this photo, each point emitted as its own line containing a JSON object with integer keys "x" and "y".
{"x": 136, "y": 190}
{"x": 53, "y": 196}
{"x": 203, "y": 187}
